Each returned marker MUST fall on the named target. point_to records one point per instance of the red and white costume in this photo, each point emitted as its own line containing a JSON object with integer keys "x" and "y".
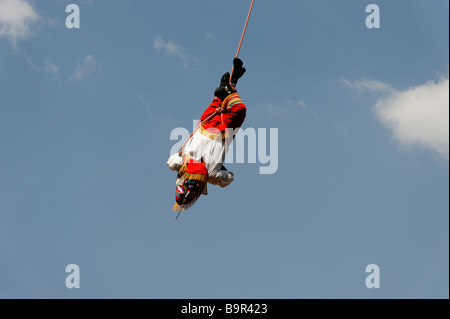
{"x": 211, "y": 141}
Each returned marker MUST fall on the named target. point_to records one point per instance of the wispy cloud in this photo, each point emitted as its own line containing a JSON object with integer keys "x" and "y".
{"x": 297, "y": 103}
{"x": 90, "y": 2}
{"x": 210, "y": 36}
{"x": 50, "y": 67}
{"x": 369, "y": 85}
{"x": 173, "y": 49}
{"x": 16, "y": 18}
{"x": 86, "y": 68}
{"x": 153, "y": 114}
{"x": 47, "y": 66}
{"x": 287, "y": 107}
{"x": 417, "y": 117}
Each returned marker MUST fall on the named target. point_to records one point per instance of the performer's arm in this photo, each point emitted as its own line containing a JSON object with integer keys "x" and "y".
{"x": 211, "y": 109}
{"x": 175, "y": 162}
{"x": 236, "y": 113}
{"x": 221, "y": 177}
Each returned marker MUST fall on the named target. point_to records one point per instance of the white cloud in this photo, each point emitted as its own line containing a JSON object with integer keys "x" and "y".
{"x": 176, "y": 50}
{"x": 210, "y": 36}
{"x": 86, "y": 68}
{"x": 417, "y": 117}
{"x": 16, "y": 18}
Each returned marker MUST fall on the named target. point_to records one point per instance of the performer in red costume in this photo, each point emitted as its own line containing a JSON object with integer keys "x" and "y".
{"x": 201, "y": 159}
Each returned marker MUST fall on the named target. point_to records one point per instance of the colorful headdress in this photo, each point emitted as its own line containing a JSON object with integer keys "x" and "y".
{"x": 192, "y": 179}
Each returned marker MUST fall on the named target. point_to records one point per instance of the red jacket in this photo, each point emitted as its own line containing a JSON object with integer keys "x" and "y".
{"x": 232, "y": 118}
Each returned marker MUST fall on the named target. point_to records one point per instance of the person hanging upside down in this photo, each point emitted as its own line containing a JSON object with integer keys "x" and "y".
{"x": 200, "y": 161}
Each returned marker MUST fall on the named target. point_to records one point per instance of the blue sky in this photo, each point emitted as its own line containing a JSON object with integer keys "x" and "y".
{"x": 363, "y": 174}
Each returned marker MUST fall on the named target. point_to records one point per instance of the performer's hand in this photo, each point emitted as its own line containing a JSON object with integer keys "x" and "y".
{"x": 238, "y": 72}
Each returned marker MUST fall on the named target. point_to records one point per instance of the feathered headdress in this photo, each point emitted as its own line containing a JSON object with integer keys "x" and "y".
{"x": 191, "y": 184}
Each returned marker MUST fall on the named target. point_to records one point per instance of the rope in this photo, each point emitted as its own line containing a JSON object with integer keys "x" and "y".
{"x": 242, "y": 37}
{"x": 220, "y": 109}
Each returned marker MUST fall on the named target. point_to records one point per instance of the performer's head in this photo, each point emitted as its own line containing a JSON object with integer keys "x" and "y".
{"x": 188, "y": 193}
{"x": 191, "y": 185}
